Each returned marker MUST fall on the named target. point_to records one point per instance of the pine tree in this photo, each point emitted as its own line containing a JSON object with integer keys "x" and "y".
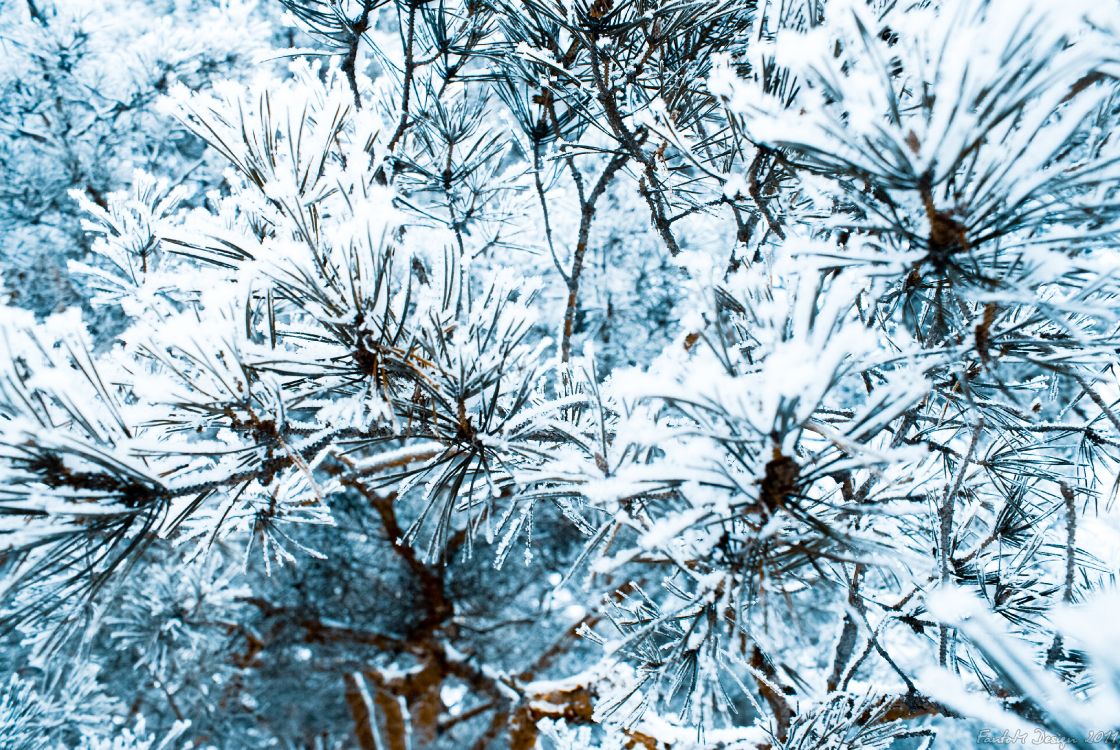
{"x": 624, "y": 374}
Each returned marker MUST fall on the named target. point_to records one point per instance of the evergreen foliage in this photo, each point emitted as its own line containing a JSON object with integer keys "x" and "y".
{"x": 655, "y": 374}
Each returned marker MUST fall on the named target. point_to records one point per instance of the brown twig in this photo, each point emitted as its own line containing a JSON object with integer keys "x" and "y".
{"x": 587, "y": 214}
{"x": 350, "y": 60}
{"x": 409, "y": 72}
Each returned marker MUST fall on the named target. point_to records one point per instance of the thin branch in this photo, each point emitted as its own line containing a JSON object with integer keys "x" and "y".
{"x": 350, "y": 60}
{"x": 36, "y": 14}
{"x": 409, "y": 73}
{"x": 946, "y": 515}
{"x": 587, "y": 214}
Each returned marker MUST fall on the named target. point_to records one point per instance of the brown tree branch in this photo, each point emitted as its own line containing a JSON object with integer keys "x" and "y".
{"x": 587, "y": 214}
